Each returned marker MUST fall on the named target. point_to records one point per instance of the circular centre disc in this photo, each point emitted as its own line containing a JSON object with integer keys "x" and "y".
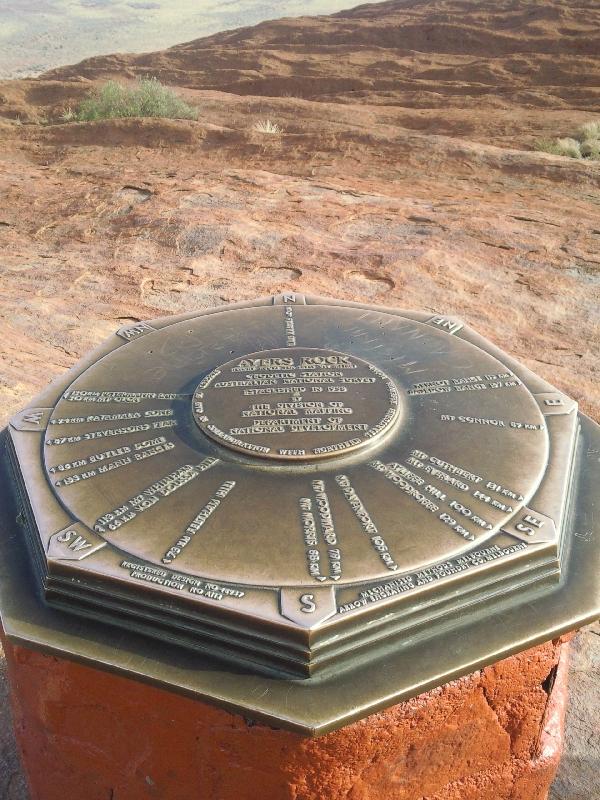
{"x": 296, "y": 403}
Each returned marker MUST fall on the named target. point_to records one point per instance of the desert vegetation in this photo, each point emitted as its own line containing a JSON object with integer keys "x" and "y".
{"x": 146, "y": 98}
{"x": 584, "y": 144}
{"x": 267, "y": 126}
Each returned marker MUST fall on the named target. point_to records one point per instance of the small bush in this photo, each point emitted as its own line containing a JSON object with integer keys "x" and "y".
{"x": 68, "y": 115}
{"x": 148, "y": 98}
{"x": 568, "y": 147}
{"x": 591, "y": 130}
{"x": 591, "y": 148}
{"x": 585, "y": 143}
{"x": 547, "y": 146}
{"x": 268, "y": 127}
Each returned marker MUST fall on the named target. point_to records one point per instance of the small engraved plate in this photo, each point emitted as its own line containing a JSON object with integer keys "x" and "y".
{"x": 553, "y": 403}
{"x": 447, "y": 324}
{"x": 74, "y": 543}
{"x": 289, "y": 298}
{"x": 129, "y": 332}
{"x": 308, "y": 607}
{"x": 531, "y": 526}
{"x": 32, "y": 419}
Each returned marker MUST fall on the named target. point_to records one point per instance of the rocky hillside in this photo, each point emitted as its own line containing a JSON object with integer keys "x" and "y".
{"x": 403, "y": 174}
{"x": 518, "y": 68}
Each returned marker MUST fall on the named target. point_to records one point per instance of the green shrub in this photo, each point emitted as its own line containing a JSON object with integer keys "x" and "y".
{"x": 147, "y": 98}
{"x": 585, "y": 143}
{"x": 547, "y": 146}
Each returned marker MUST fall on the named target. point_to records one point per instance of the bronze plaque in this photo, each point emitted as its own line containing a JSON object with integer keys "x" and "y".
{"x": 296, "y": 404}
{"x": 292, "y": 484}
{"x": 353, "y": 465}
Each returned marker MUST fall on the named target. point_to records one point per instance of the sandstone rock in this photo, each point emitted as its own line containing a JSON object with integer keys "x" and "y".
{"x": 579, "y": 771}
{"x": 86, "y": 733}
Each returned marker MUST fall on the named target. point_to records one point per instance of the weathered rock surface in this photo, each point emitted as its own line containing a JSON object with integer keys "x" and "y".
{"x": 95, "y": 235}
{"x": 578, "y": 776}
{"x": 402, "y": 176}
{"x": 12, "y": 780}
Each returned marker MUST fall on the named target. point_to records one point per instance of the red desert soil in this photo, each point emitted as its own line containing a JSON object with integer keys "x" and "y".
{"x": 404, "y": 175}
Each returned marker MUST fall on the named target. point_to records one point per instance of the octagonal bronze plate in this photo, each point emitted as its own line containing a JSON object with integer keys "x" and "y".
{"x": 299, "y": 488}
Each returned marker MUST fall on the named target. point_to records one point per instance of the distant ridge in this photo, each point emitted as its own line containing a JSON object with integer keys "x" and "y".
{"x": 415, "y": 54}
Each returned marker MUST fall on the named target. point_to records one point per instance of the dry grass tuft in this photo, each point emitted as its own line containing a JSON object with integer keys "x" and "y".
{"x": 585, "y": 143}
{"x": 268, "y": 127}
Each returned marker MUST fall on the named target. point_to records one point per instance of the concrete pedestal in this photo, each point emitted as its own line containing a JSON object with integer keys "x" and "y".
{"x": 90, "y": 735}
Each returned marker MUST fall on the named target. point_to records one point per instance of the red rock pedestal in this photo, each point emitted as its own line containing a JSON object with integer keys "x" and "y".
{"x": 89, "y": 735}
